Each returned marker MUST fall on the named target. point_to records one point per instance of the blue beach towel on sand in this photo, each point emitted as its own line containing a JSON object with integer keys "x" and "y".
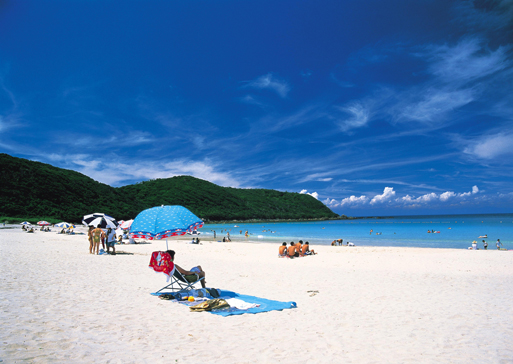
{"x": 264, "y": 304}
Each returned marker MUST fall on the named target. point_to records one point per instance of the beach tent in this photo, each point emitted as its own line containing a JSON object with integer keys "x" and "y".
{"x": 98, "y": 218}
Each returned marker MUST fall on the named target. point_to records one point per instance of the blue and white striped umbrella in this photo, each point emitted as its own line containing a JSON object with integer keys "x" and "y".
{"x": 164, "y": 221}
{"x": 25, "y": 223}
{"x": 64, "y": 225}
{"x": 105, "y": 221}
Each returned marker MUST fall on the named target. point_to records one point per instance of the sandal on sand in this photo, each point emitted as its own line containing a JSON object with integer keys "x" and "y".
{"x": 167, "y": 296}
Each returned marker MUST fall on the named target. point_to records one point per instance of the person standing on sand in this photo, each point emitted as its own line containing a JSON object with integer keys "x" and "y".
{"x": 485, "y": 245}
{"x": 89, "y": 237}
{"x": 98, "y": 235}
{"x": 111, "y": 241}
{"x": 498, "y": 244}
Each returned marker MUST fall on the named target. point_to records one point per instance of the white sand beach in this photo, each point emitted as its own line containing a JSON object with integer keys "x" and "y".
{"x": 374, "y": 305}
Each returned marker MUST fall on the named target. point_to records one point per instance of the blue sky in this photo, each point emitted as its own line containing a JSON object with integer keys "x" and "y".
{"x": 373, "y": 107}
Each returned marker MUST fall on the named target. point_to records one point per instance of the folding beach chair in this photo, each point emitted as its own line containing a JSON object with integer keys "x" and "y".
{"x": 161, "y": 262}
{"x": 179, "y": 283}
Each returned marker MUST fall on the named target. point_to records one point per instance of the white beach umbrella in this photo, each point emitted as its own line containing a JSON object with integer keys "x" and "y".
{"x": 126, "y": 224}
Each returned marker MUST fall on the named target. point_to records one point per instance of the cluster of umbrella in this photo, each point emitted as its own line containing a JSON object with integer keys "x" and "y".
{"x": 64, "y": 225}
{"x": 154, "y": 223}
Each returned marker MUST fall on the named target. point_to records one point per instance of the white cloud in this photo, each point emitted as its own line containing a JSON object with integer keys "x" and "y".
{"x": 270, "y": 82}
{"x": 407, "y": 200}
{"x": 359, "y": 116}
{"x": 435, "y": 103}
{"x": 331, "y": 202}
{"x": 115, "y": 173}
{"x": 353, "y": 200}
{"x": 447, "y": 195}
{"x": 388, "y": 193}
{"x": 313, "y": 194}
{"x": 432, "y": 197}
{"x": 467, "y": 60}
{"x": 428, "y": 197}
{"x": 251, "y": 100}
{"x": 475, "y": 190}
{"x": 490, "y": 146}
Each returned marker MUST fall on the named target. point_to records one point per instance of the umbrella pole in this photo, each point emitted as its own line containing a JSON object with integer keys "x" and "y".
{"x": 166, "y": 245}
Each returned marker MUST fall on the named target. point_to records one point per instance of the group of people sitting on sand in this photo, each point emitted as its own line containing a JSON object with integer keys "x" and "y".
{"x": 28, "y": 229}
{"x": 341, "y": 242}
{"x": 67, "y": 231}
{"x": 295, "y": 250}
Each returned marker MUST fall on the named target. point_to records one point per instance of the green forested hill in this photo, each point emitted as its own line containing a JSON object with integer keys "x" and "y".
{"x": 33, "y": 189}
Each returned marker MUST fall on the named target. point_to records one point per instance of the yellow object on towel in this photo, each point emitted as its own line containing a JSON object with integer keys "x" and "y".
{"x": 209, "y": 305}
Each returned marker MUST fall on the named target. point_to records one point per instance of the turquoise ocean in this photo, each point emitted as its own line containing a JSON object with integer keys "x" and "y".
{"x": 451, "y": 231}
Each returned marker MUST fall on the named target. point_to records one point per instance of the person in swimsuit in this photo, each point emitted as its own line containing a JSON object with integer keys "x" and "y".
{"x": 292, "y": 250}
{"x": 191, "y": 275}
{"x": 283, "y": 250}
{"x": 299, "y": 246}
{"x": 306, "y": 250}
{"x": 98, "y": 235}
{"x": 89, "y": 237}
